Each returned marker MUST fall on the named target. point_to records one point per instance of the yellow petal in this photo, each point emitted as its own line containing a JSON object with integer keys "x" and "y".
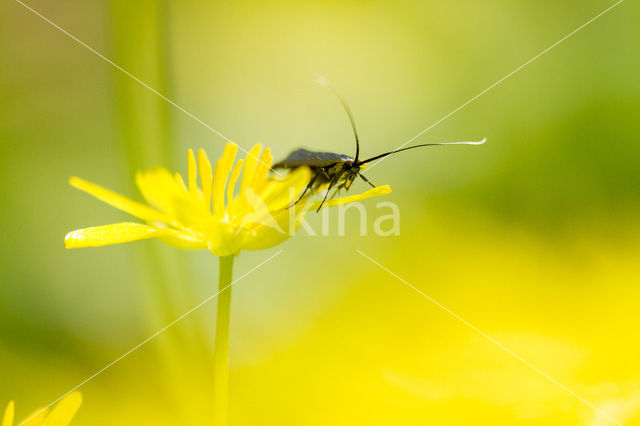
{"x": 178, "y": 178}
{"x": 192, "y": 173}
{"x": 373, "y": 192}
{"x": 162, "y": 190}
{"x": 279, "y": 193}
{"x": 9, "y": 412}
{"x": 231, "y": 186}
{"x": 118, "y": 201}
{"x": 98, "y": 236}
{"x": 259, "y": 214}
{"x": 36, "y": 418}
{"x": 206, "y": 177}
{"x": 249, "y": 168}
{"x": 220, "y": 175}
{"x": 281, "y": 226}
{"x": 154, "y": 185}
{"x": 225, "y": 239}
{"x": 261, "y": 170}
{"x": 64, "y": 411}
{"x": 183, "y": 240}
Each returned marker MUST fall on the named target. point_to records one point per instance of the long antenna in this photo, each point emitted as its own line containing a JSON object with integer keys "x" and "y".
{"x": 420, "y": 146}
{"x": 326, "y": 83}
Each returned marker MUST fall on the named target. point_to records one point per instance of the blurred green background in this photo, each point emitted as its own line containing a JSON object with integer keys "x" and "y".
{"x": 532, "y": 238}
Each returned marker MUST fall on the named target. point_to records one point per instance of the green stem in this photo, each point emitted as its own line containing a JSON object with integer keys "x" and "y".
{"x": 221, "y": 353}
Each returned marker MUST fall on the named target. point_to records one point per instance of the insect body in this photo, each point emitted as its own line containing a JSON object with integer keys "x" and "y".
{"x": 337, "y": 170}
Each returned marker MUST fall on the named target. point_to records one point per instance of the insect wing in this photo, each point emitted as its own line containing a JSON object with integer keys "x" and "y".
{"x": 303, "y": 157}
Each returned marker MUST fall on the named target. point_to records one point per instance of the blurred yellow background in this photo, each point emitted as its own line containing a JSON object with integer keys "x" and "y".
{"x": 532, "y": 238}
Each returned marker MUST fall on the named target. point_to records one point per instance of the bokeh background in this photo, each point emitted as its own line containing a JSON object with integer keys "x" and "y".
{"x": 532, "y": 238}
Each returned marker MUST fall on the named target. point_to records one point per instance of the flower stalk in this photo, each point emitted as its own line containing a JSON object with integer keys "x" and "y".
{"x": 221, "y": 351}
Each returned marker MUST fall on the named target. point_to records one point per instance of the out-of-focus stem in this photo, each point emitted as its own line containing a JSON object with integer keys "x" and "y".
{"x": 165, "y": 83}
{"x": 144, "y": 130}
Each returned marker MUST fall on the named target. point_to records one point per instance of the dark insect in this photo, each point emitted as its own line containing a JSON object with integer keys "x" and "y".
{"x": 338, "y": 170}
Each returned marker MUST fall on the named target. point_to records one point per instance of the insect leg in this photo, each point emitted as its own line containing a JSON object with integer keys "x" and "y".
{"x": 333, "y": 182}
{"x": 309, "y": 186}
{"x": 325, "y": 174}
{"x": 366, "y": 180}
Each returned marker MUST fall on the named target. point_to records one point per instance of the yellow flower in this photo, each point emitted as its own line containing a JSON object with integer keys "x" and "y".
{"x": 61, "y": 415}
{"x": 193, "y": 216}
